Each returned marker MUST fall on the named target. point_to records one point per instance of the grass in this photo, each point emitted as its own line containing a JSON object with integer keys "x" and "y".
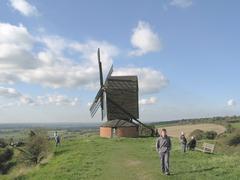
{"x": 236, "y": 125}
{"x": 129, "y": 159}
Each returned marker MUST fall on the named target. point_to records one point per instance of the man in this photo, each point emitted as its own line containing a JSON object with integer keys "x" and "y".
{"x": 57, "y": 138}
{"x": 163, "y": 147}
{"x": 183, "y": 142}
{"x": 192, "y": 144}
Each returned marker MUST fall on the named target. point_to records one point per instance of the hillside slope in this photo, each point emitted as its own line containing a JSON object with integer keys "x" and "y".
{"x": 97, "y": 158}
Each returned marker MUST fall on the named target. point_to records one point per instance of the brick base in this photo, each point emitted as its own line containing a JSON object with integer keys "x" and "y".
{"x": 107, "y": 132}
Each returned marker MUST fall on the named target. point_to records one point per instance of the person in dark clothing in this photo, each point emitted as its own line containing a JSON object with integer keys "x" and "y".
{"x": 192, "y": 144}
{"x": 57, "y": 138}
{"x": 163, "y": 147}
{"x": 157, "y": 133}
{"x": 183, "y": 142}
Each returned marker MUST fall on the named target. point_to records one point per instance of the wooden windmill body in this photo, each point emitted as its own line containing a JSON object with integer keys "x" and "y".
{"x": 118, "y": 99}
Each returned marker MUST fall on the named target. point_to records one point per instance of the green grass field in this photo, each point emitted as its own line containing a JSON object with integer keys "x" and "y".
{"x": 128, "y": 159}
{"x": 236, "y": 125}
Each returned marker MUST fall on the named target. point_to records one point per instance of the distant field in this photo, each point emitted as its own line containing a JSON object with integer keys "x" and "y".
{"x": 175, "y": 131}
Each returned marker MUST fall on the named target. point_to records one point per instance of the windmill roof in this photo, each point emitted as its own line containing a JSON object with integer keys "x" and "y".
{"x": 118, "y": 123}
{"x": 132, "y": 78}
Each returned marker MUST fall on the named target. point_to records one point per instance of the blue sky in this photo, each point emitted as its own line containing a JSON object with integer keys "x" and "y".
{"x": 185, "y": 52}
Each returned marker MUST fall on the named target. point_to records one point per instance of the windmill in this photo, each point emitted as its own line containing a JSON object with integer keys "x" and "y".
{"x": 118, "y": 100}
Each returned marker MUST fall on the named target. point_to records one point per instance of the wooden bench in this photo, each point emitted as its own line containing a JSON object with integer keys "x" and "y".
{"x": 206, "y": 148}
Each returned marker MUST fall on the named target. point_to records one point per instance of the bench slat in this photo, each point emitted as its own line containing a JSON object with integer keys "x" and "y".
{"x": 209, "y": 148}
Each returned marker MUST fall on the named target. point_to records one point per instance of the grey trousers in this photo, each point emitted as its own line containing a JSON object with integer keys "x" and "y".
{"x": 164, "y": 159}
{"x": 184, "y": 147}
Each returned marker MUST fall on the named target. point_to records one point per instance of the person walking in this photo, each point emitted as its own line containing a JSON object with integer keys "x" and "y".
{"x": 183, "y": 142}
{"x": 57, "y": 138}
{"x": 163, "y": 147}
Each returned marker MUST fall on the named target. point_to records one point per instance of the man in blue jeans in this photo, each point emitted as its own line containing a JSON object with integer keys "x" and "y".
{"x": 163, "y": 147}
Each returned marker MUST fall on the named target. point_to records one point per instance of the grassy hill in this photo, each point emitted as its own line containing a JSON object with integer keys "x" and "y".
{"x": 92, "y": 157}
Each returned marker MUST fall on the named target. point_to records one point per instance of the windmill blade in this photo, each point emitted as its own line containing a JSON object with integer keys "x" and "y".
{"x": 100, "y": 68}
{"x": 94, "y": 108}
{"x": 109, "y": 73}
{"x": 96, "y": 100}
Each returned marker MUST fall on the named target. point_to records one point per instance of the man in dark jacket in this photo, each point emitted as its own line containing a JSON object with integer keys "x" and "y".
{"x": 163, "y": 147}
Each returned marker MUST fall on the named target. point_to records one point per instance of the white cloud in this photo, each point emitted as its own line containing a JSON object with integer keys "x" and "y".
{"x": 231, "y": 103}
{"x": 60, "y": 71}
{"x": 26, "y": 100}
{"x": 89, "y": 51}
{"x": 181, "y": 3}
{"x": 17, "y": 97}
{"x": 17, "y": 35}
{"x": 150, "y": 80}
{"x": 9, "y": 92}
{"x": 144, "y": 40}
{"x": 55, "y": 62}
{"x": 15, "y": 46}
{"x": 24, "y": 7}
{"x": 89, "y": 104}
{"x": 21, "y": 99}
{"x": 148, "y": 101}
{"x": 51, "y": 65}
{"x": 57, "y": 99}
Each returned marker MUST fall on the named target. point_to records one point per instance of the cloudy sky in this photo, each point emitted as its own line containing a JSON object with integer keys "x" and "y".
{"x": 185, "y": 53}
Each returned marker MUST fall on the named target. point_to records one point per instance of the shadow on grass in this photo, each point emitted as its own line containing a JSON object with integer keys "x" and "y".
{"x": 60, "y": 152}
{"x": 4, "y": 168}
{"x": 147, "y": 137}
{"x": 195, "y": 171}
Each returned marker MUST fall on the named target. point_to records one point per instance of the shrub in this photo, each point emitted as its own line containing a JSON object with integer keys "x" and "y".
{"x": 5, "y": 157}
{"x": 229, "y": 128}
{"x": 143, "y": 131}
{"x": 233, "y": 139}
{"x": 200, "y": 134}
{"x": 210, "y": 134}
{"x": 3, "y": 144}
{"x": 197, "y": 133}
{"x": 36, "y": 148}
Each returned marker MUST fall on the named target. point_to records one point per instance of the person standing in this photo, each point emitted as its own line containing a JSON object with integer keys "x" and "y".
{"x": 183, "y": 142}
{"x": 163, "y": 147}
{"x": 192, "y": 144}
{"x": 57, "y": 138}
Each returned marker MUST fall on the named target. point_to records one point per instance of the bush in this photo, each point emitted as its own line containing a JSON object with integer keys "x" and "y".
{"x": 3, "y": 144}
{"x": 200, "y": 134}
{"x": 210, "y": 135}
{"x": 36, "y": 148}
{"x": 5, "y": 157}
{"x": 144, "y": 131}
{"x": 229, "y": 128}
{"x": 233, "y": 139}
{"x": 197, "y": 133}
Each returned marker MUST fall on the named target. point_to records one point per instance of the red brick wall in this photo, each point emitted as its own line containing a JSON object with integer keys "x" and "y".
{"x": 106, "y": 132}
{"x": 127, "y": 132}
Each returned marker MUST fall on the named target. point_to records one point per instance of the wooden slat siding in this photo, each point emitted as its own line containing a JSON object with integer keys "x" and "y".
{"x": 124, "y": 91}
{"x": 118, "y": 123}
